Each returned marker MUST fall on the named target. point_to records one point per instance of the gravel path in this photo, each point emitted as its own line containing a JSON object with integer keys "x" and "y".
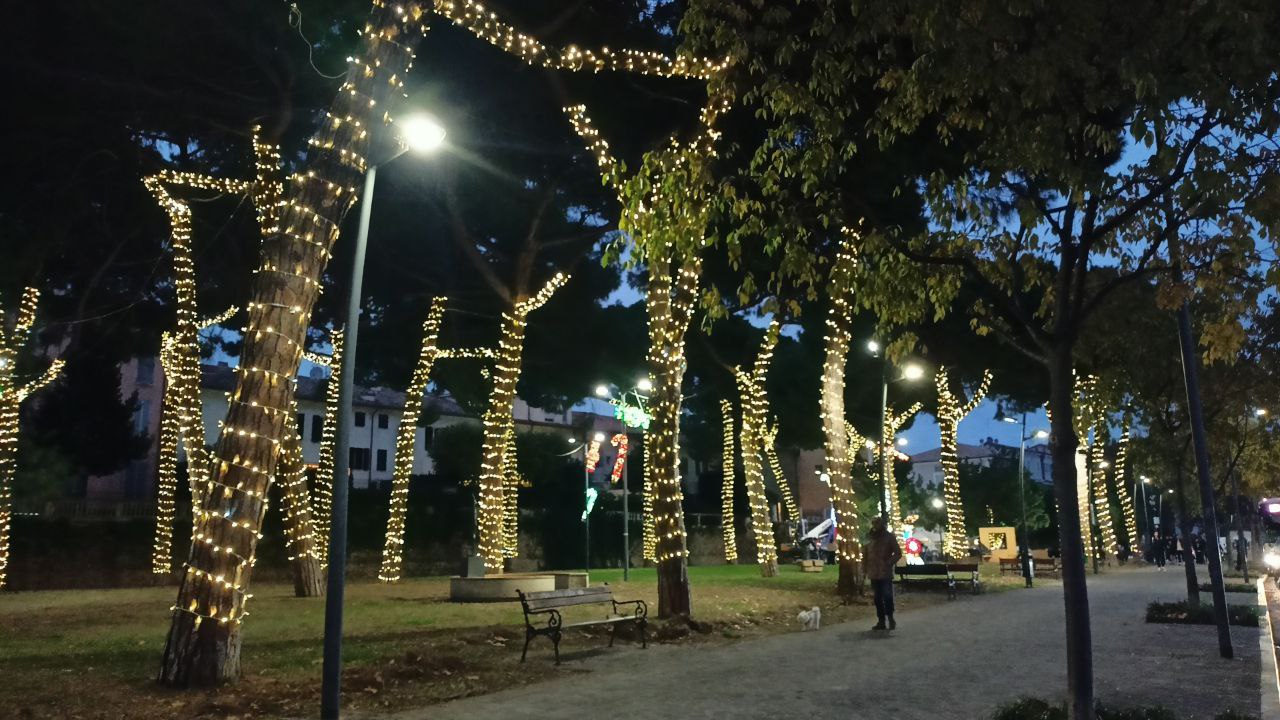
{"x": 951, "y": 660}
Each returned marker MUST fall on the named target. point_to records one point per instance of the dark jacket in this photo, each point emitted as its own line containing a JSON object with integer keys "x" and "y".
{"x": 880, "y": 555}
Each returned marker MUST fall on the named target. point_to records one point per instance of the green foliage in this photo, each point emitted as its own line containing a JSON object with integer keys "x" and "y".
{"x": 1035, "y": 709}
{"x": 1182, "y": 613}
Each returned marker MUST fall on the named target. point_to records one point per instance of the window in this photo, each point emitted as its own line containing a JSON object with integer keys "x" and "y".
{"x": 383, "y": 421}
{"x": 146, "y": 370}
{"x": 428, "y": 436}
{"x": 302, "y": 424}
{"x": 359, "y": 419}
{"x": 382, "y": 460}
{"x": 317, "y": 428}
{"x": 359, "y": 458}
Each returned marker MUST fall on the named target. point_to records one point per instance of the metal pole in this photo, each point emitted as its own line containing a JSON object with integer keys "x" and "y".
{"x": 626, "y": 514}
{"x": 1190, "y": 375}
{"x": 586, "y": 515}
{"x": 331, "y": 672}
{"x": 1242, "y": 563}
{"x": 884, "y": 409}
{"x": 1022, "y": 498}
{"x": 1146, "y": 509}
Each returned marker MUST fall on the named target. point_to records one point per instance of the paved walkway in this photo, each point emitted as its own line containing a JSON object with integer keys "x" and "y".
{"x": 951, "y": 660}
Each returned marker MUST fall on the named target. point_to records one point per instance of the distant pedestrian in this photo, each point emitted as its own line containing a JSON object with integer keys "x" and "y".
{"x": 878, "y": 558}
{"x": 1157, "y": 549}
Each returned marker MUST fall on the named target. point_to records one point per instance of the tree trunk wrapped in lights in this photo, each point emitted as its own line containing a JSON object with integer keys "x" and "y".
{"x": 836, "y": 431}
{"x": 498, "y": 422}
{"x": 951, "y": 410}
{"x": 1098, "y": 477}
{"x": 755, "y": 409}
{"x": 166, "y": 480}
{"x": 12, "y": 394}
{"x": 1083, "y": 418}
{"x": 308, "y": 580}
{"x": 648, "y": 537}
{"x": 1122, "y": 488}
{"x": 203, "y": 645}
{"x": 727, "y": 485}
{"x": 666, "y": 214}
{"x": 768, "y": 439}
{"x": 322, "y": 490}
{"x": 888, "y": 453}
{"x": 406, "y": 433}
{"x": 510, "y": 497}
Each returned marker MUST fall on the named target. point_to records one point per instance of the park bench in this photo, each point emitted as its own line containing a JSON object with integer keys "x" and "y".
{"x": 1010, "y": 566}
{"x": 948, "y": 573}
{"x": 550, "y": 603}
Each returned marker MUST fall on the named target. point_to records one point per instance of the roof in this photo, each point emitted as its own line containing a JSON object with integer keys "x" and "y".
{"x": 222, "y": 377}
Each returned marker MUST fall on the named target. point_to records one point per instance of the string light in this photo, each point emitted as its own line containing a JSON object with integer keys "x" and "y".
{"x": 322, "y": 513}
{"x": 727, "y": 487}
{"x": 306, "y": 225}
{"x": 768, "y": 436}
{"x": 620, "y": 442}
{"x": 488, "y": 26}
{"x": 511, "y": 484}
{"x": 755, "y": 407}
{"x": 1122, "y": 486}
{"x": 592, "y": 458}
{"x": 840, "y": 440}
{"x": 649, "y": 536}
{"x": 1101, "y": 501}
{"x": 406, "y": 433}
{"x": 11, "y": 396}
{"x": 951, "y": 410}
{"x": 498, "y": 421}
{"x": 1083, "y": 411}
{"x": 888, "y": 453}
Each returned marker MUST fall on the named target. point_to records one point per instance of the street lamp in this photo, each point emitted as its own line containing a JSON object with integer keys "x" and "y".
{"x": 1023, "y": 437}
{"x": 630, "y": 419}
{"x": 910, "y": 373}
{"x": 421, "y": 134}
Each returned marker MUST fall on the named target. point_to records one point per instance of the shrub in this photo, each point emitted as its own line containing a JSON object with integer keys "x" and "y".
{"x": 1036, "y": 709}
{"x": 1230, "y": 587}
{"x": 1182, "y": 613}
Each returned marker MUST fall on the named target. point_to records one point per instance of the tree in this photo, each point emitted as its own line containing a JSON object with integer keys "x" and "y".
{"x": 951, "y": 410}
{"x": 755, "y": 410}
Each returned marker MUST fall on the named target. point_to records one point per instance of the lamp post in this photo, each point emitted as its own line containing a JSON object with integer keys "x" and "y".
{"x": 587, "y": 499}
{"x": 910, "y": 372}
{"x": 640, "y": 421}
{"x": 419, "y": 133}
{"x": 1023, "y": 437}
{"x": 1146, "y": 505}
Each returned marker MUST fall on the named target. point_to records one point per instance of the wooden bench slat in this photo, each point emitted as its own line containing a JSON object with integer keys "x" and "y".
{"x": 567, "y": 598}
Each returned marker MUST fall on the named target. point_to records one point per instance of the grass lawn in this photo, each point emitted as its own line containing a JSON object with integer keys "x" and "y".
{"x": 93, "y": 653}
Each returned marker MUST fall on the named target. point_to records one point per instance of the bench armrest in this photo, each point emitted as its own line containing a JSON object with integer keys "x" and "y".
{"x": 553, "y": 620}
{"x": 638, "y": 608}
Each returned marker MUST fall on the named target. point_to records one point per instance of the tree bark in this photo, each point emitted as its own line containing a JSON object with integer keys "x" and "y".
{"x": 1075, "y": 592}
{"x": 322, "y": 488}
{"x": 307, "y": 578}
{"x": 672, "y": 293}
{"x": 755, "y": 408}
{"x": 203, "y": 646}
{"x": 727, "y": 456}
{"x": 1188, "y": 552}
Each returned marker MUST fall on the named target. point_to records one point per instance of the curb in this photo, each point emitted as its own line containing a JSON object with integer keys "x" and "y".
{"x": 1270, "y": 676}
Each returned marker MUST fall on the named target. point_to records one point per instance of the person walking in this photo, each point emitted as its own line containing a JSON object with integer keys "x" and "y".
{"x": 1158, "y": 550}
{"x": 878, "y": 558}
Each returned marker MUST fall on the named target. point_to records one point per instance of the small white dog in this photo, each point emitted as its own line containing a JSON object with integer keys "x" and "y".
{"x": 810, "y": 619}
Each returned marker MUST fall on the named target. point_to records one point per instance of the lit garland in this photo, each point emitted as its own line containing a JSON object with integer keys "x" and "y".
{"x": 285, "y": 288}
{"x": 11, "y": 396}
{"x": 649, "y": 537}
{"x": 768, "y": 436}
{"x": 498, "y": 421}
{"x": 1122, "y": 487}
{"x": 951, "y": 411}
{"x": 511, "y": 484}
{"x": 406, "y": 432}
{"x": 621, "y": 442}
{"x": 727, "y": 487}
{"x": 593, "y": 455}
{"x": 1083, "y": 410}
{"x": 755, "y": 407}
{"x": 298, "y": 528}
{"x": 840, "y": 441}
{"x": 488, "y": 26}
{"x": 322, "y": 512}
{"x": 889, "y": 453}
{"x": 1101, "y": 501}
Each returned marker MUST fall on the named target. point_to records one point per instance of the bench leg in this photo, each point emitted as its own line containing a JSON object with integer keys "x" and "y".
{"x": 644, "y": 644}
{"x": 951, "y": 589}
{"x": 555, "y": 638}
{"x": 528, "y": 637}
{"x": 613, "y": 633}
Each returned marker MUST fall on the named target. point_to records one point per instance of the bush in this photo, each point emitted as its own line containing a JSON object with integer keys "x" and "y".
{"x": 1182, "y": 613}
{"x": 1230, "y": 587}
{"x": 1036, "y": 709}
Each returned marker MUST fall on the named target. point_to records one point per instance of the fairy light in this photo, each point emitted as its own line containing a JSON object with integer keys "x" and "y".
{"x": 755, "y": 407}
{"x": 511, "y": 484}
{"x": 11, "y": 396}
{"x": 406, "y": 433}
{"x": 889, "y": 453}
{"x": 592, "y": 458}
{"x": 951, "y": 410}
{"x": 1101, "y": 501}
{"x": 498, "y": 421}
{"x": 726, "y": 490}
{"x": 840, "y": 440}
{"x": 488, "y": 26}
{"x": 306, "y": 225}
{"x": 299, "y": 531}
{"x": 1083, "y": 412}
{"x": 1122, "y": 486}
{"x": 322, "y": 513}
{"x": 768, "y": 438}
{"x": 649, "y": 537}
